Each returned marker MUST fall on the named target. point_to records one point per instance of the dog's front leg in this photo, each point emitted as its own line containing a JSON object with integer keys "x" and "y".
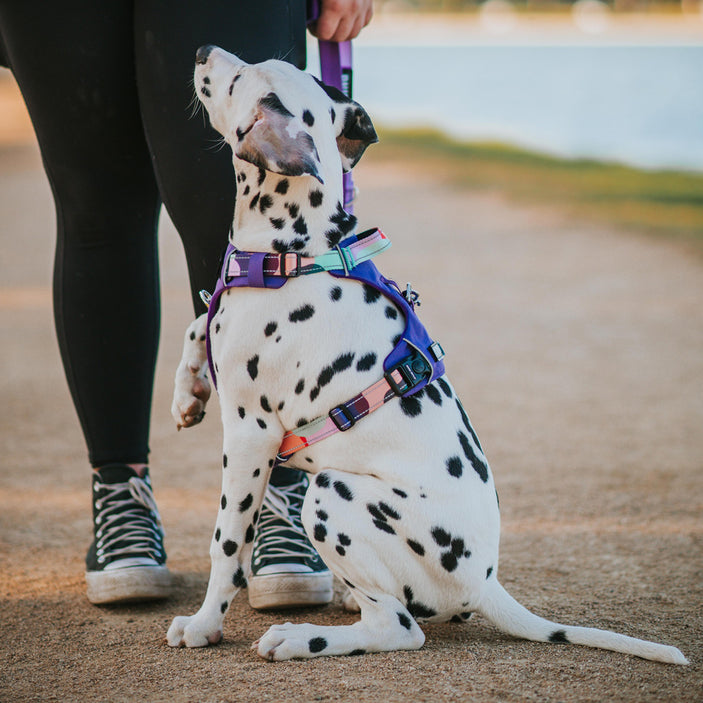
{"x": 247, "y": 456}
{"x": 192, "y": 388}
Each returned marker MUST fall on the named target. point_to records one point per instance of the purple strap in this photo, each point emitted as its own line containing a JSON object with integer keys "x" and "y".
{"x": 336, "y": 70}
{"x": 256, "y": 270}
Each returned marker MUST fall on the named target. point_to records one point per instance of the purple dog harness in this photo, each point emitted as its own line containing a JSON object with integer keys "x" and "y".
{"x": 415, "y": 361}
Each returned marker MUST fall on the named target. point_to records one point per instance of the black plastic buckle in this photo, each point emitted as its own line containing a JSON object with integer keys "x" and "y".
{"x": 347, "y": 415}
{"x": 293, "y": 272}
{"x": 412, "y": 369}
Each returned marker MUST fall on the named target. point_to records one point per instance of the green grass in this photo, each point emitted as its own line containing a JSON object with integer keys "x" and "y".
{"x": 661, "y": 203}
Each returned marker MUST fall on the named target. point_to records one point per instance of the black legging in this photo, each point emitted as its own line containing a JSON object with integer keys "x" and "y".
{"x": 108, "y": 86}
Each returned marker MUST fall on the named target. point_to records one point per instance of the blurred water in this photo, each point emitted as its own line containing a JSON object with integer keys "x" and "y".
{"x": 641, "y": 105}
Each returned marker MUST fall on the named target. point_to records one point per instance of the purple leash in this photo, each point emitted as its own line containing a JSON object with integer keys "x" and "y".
{"x": 336, "y": 71}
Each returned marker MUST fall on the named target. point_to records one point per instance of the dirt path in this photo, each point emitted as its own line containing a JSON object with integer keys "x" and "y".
{"x": 579, "y": 353}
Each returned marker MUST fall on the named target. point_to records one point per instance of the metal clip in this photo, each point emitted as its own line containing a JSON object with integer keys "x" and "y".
{"x": 206, "y": 298}
{"x": 412, "y": 296}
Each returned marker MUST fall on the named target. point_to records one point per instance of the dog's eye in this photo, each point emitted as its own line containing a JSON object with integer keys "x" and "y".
{"x": 234, "y": 80}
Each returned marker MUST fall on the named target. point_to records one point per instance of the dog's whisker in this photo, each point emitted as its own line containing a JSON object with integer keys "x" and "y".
{"x": 217, "y": 145}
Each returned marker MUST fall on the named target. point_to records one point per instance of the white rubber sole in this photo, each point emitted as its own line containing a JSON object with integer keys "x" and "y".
{"x": 136, "y": 583}
{"x": 290, "y": 590}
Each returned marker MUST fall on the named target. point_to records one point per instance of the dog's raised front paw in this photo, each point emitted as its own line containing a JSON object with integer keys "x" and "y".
{"x": 190, "y": 396}
{"x": 192, "y": 387}
{"x": 186, "y": 632}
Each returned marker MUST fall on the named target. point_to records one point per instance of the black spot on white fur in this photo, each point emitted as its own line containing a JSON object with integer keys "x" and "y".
{"x": 405, "y": 621}
{"x": 246, "y": 503}
{"x": 315, "y": 198}
{"x": 416, "y": 547}
{"x": 303, "y": 313}
{"x": 265, "y": 202}
{"x": 371, "y": 295}
{"x": 433, "y": 394}
{"x": 454, "y": 466}
{"x": 341, "y": 363}
{"x": 229, "y": 547}
{"x": 446, "y": 388}
{"x": 343, "y": 490}
{"x": 253, "y": 367}
{"x": 467, "y": 424}
{"x": 322, "y": 480}
{"x": 238, "y": 579}
{"x": 411, "y": 405}
{"x": 415, "y": 608}
{"x": 477, "y": 463}
{"x": 317, "y": 644}
{"x": 319, "y": 532}
{"x": 367, "y": 362}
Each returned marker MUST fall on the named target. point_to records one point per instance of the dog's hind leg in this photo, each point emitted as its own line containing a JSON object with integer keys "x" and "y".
{"x": 385, "y": 625}
{"x": 191, "y": 387}
{"x": 336, "y": 514}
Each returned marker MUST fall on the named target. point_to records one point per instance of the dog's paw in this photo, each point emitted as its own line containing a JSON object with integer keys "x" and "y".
{"x": 187, "y": 632}
{"x": 192, "y": 387}
{"x": 287, "y": 641}
{"x": 349, "y": 603}
{"x": 190, "y": 397}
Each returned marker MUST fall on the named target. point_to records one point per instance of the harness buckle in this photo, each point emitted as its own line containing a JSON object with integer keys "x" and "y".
{"x": 342, "y": 417}
{"x": 293, "y": 272}
{"x": 412, "y": 369}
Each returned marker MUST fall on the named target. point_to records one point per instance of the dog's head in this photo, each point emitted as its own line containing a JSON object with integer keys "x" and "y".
{"x": 280, "y": 118}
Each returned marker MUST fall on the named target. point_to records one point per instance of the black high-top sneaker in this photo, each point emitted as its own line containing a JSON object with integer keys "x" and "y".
{"x": 286, "y": 571}
{"x": 126, "y": 561}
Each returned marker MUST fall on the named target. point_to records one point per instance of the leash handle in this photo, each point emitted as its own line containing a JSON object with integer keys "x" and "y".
{"x": 336, "y": 71}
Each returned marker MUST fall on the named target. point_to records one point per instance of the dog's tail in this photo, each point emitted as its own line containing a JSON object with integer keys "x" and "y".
{"x": 500, "y": 608}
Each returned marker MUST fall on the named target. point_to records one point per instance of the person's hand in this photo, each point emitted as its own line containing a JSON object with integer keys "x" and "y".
{"x": 342, "y": 20}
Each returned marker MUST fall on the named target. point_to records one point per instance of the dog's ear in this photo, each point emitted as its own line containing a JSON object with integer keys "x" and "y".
{"x": 278, "y": 141}
{"x": 357, "y": 130}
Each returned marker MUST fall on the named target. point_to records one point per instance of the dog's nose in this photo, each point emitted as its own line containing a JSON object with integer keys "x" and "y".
{"x": 201, "y": 55}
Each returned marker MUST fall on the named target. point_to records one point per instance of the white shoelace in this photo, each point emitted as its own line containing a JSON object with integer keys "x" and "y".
{"x": 282, "y": 504}
{"x": 134, "y": 528}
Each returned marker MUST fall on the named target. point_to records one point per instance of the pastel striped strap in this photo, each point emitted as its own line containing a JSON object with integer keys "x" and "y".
{"x": 409, "y": 373}
{"x": 256, "y": 265}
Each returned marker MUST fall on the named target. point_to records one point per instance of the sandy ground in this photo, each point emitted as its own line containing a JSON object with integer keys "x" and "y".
{"x": 579, "y": 354}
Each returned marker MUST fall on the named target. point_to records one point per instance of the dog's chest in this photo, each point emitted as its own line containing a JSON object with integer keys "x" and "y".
{"x": 299, "y": 350}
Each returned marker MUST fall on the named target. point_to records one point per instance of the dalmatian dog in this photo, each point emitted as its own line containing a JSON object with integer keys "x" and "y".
{"x": 402, "y": 507}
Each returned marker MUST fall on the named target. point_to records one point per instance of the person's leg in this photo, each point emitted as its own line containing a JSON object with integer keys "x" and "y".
{"x": 197, "y": 184}
{"x": 74, "y": 64}
{"x": 194, "y": 171}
